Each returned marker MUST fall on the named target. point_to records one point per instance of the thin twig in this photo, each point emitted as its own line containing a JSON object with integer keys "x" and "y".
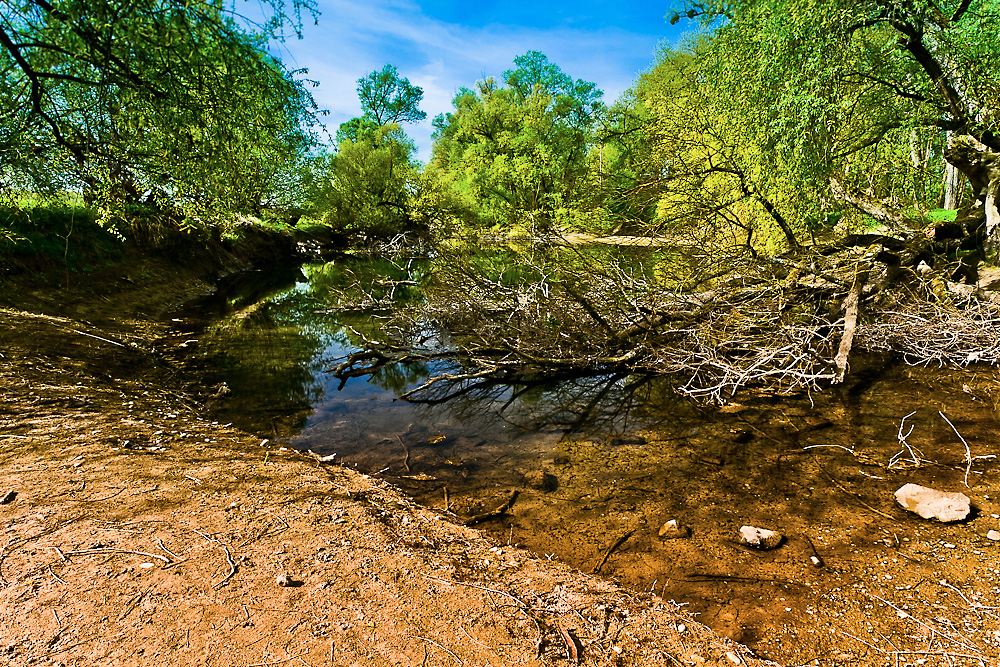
{"x": 518, "y": 601}
{"x": 56, "y": 576}
{"x": 968, "y": 452}
{"x": 232, "y": 568}
{"x": 83, "y": 552}
{"x": 62, "y": 556}
{"x": 406, "y": 460}
{"x": 431, "y": 641}
{"x": 172, "y": 554}
{"x": 498, "y": 512}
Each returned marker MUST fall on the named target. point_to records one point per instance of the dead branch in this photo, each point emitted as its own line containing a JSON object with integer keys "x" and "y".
{"x": 232, "y": 568}
{"x": 850, "y": 322}
{"x": 754, "y": 327}
{"x": 572, "y": 649}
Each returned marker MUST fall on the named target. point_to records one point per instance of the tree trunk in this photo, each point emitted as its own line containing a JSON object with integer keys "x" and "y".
{"x": 951, "y": 181}
{"x": 851, "y": 304}
{"x": 870, "y": 205}
{"x": 982, "y": 167}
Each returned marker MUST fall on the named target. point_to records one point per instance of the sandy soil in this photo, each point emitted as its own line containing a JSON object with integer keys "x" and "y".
{"x": 136, "y": 531}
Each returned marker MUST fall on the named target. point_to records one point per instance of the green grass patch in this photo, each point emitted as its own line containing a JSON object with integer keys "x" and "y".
{"x": 942, "y": 215}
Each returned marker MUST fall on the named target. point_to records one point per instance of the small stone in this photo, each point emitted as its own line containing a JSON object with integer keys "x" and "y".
{"x": 672, "y": 530}
{"x": 760, "y": 538}
{"x": 283, "y": 580}
{"x": 733, "y": 658}
{"x": 561, "y": 459}
{"x": 993, "y": 535}
{"x": 147, "y": 566}
{"x": 932, "y": 504}
{"x": 8, "y": 498}
{"x": 542, "y": 481}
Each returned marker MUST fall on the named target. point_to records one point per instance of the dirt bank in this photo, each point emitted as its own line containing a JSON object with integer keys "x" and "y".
{"x": 137, "y": 531}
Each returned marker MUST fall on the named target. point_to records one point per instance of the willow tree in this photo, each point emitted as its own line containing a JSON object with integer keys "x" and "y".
{"x": 837, "y": 88}
{"x": 520, "y": 148}
{"x": 675, "y": 147}
{"x": 175, "y": 104}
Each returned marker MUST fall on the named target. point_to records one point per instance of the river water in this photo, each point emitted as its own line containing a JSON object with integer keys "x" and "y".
{"x": 599, "y": 458}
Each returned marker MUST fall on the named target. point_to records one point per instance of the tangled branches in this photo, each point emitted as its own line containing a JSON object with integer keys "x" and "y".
{"x": 787, "y": 325}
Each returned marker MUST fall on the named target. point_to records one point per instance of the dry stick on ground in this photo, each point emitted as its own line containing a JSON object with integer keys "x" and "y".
{"x": 431, "y": 641}
{"x": 572, "y": 650}
{"x": 610, "y": 550}
{"x": 521, "y": 604}
{"x": 162, "y": 546}
{"x": 232, "y": 568}
{"x": 118, "y": 551}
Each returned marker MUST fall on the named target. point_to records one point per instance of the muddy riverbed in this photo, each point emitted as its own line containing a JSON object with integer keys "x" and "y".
{"x": 601, "y": 464}
{"x": 150, "y": 526}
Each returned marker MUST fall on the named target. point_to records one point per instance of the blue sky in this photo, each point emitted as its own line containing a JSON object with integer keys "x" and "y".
{"x": 446, "y": 44}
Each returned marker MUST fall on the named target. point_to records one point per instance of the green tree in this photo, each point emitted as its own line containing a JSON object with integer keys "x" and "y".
{"x": 366, "y": 187}
{"x": 678, "y": 156}
{"x": 369, "y": 186}
{"x": 387, "y": 97}
{"x": 168, "y": 103}
{"x": 521, "y": 150}
{"x": 836, "y": 94}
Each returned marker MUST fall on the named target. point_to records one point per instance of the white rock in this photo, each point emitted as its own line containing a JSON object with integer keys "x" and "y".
{"x": 945, "y": 506}
{"x": 759, "y": 538}
{"x": 672, "y": 530}
{"x": 993, "y": 535}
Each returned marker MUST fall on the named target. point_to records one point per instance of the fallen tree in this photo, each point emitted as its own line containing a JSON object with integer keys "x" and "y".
{"x": 789, "y": 324}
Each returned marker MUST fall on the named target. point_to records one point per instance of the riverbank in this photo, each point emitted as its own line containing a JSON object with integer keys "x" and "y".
{"x": 136, "y": 530}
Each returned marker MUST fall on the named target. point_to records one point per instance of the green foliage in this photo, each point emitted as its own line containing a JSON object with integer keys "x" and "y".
{"x": 941, "y": 215}
{"x": 388, "y": 98}
{"x": 165, "y": 103}
{"x": 520, "y": 151}
{"x": 861, "y": 92}
{"x": 361, "y": 128}
{"x": 366, "y": 187}
{"x": 38, "y": 233}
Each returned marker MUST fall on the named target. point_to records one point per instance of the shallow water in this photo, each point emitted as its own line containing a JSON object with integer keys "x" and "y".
{"x": 598, "y": 458}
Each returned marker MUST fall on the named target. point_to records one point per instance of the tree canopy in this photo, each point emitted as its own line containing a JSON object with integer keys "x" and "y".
{"x": 837, "y": 86}
{"x": 170, "y": 103}
{"x": 388, "y": 98}
{"x": 520, "y": 150}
